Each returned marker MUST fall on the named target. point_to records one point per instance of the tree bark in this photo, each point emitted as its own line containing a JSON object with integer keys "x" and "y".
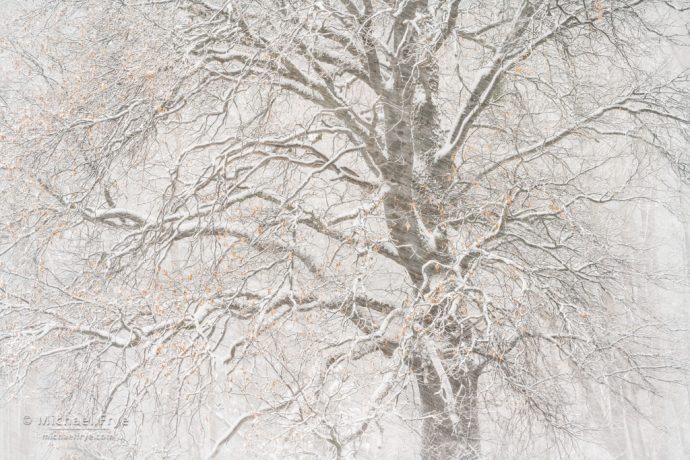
{"x": 444, "y": 436}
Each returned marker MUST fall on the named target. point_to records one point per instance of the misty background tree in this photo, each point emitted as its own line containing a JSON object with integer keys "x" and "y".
{"x": 335, "y": 209}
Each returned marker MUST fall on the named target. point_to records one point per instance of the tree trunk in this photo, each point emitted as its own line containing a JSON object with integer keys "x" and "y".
{"x": 444, "y": 436}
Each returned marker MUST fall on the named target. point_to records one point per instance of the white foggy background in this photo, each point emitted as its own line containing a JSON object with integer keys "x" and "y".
{"x": 623, "y": 433}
